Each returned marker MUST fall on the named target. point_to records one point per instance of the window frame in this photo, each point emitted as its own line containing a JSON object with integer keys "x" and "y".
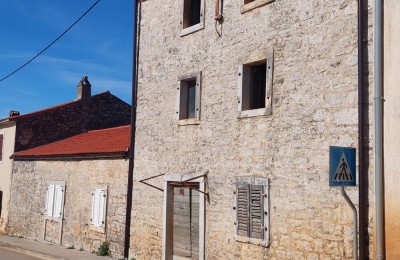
{"x": 96, "y": 226}
{"x": 250, "y": 181}
{"x": 168, "y": 213}
{"x": 268, "y": 58}
{"x": 54, "y": 199}
{"x": 181, "y": 103}
{"x": 253, "y": 5}
{"x": 195, "y": 27}
{"x": 1, "y": 146}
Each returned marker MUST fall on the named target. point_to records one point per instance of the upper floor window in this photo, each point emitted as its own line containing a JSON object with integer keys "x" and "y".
{"x": 188, "y": 99}
{"x": 192, "y": 16}
{"x": 255, "y": 87}
{"x": 252, "y": 4}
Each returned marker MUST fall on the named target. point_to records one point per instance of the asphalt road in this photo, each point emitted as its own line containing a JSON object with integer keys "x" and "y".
{"x": 6, "y": 254}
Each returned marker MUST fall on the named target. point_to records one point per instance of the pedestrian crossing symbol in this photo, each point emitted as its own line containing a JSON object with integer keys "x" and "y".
{"x": 342, "y": 162}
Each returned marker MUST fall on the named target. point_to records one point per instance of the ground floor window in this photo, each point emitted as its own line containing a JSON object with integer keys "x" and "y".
{"x": 55, "y": 200}
{"x": 184, "y": 208}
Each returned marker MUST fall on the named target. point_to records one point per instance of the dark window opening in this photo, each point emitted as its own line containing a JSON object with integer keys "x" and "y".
{"x": 254, "y": 85}
{"x": 1, "y": 201}
{"x": 191, "y": 12}
{"x": 1, "y": 147}
{"x": 188, "y": 99}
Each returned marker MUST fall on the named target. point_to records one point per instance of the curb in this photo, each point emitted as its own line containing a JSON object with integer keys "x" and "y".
{"x": 30, "y": 252}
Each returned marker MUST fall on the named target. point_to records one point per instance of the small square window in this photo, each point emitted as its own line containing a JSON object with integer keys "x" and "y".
{"x": 252, "y": 211}
{"x": 255, "y": 87}
{"x": 188, "y": 107}
{"x": 191, "y": 12}
{"x": 192, "y": 16}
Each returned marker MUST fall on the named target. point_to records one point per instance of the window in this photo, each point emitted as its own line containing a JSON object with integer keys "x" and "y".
{"x": 252, "y": 212}
{"x": 99, "y": 199}
{"x": 184, "y": 208}
{"x": 192, "y": 16}
{"x": 1, "y": 201}
{"x": 188, "y": 99}
{"x": 249, "y": 5}
{"x": 1, "y": 147}
{"x": 55, "y": 200}
{"x": 255, "y": 87}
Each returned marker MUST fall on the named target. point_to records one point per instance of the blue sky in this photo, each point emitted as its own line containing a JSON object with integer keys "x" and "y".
{"x": 99, "y": 46}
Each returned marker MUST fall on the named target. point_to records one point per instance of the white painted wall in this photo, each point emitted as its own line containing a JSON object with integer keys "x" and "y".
{"x": 391, "y": 127}
{"x": 8, "y": 130}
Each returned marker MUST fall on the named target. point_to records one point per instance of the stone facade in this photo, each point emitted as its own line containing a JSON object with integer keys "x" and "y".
{"x": 97, "y": 112}
{"x": 28, "y": 200}
{"x": 314, "y": 106}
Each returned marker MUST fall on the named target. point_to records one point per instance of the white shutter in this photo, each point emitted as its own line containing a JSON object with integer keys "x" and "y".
{"x": 95, "y": 207}
{"x": 102, "y": 200}
{"x": 50, "y": 200}
{"x": 58, "y": 199}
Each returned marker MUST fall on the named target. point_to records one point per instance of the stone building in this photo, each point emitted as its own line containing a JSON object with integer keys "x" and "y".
{"x": 73, "y": 192}
{"x": 87, "y": 112}
{"x": 238, "y": 105}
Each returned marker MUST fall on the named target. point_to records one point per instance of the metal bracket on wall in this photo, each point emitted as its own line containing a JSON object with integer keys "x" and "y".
{"x": 148, "y": 184}
{"x": 186, "y": 183}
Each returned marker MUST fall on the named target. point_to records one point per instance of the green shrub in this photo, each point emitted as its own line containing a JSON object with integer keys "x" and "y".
{"x": 104, "y": 249}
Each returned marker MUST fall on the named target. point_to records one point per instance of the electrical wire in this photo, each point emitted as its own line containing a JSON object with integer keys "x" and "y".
{"x": 48, "y": 46}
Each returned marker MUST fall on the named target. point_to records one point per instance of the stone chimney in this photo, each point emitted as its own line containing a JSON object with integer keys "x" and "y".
{"x": 14, "y": 113}
{"x": 84, "y": 89}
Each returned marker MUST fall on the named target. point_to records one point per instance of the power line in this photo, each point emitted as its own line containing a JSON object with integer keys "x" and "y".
{"x": 48, "y": 46}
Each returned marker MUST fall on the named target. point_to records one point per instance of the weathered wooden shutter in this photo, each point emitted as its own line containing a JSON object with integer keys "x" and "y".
{"x": 49, "y": 200}
{"x": 1, "y": 147}
{"x": 242, "y": 210}
{"x": 58, "y": 198}
{"x": 256, "y": 211}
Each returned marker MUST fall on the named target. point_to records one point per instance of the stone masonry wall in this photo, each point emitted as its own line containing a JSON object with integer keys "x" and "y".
{"x": 28, "y": 198}
{"x": 314, "y": 106}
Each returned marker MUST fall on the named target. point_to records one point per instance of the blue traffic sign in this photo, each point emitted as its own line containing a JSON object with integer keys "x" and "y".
{"x": 342, "y": 166}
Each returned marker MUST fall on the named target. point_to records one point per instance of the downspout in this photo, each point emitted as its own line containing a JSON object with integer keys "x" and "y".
{"x": 378, "y": 125}
{"x": 133, "y": 133}
{"x": 362, "y": 154}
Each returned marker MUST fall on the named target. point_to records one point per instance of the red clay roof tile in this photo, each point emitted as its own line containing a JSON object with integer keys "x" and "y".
{"x": 114, "y": 140}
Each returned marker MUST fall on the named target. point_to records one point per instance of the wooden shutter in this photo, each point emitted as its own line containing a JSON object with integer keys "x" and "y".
{"x": 242, "y": 210}
{"x": 95, "y": 207}
{"x": 98, "y": 207}
{"x": 256, "y": 211}
{"x": 102, "y": 200}
{"x": 1, "y": 147}
{"x": 58, "y": 199}
{"x": 49, "y": 200}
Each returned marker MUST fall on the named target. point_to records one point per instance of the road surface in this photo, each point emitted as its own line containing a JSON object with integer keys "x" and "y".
{"x": 6, "y": 254}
